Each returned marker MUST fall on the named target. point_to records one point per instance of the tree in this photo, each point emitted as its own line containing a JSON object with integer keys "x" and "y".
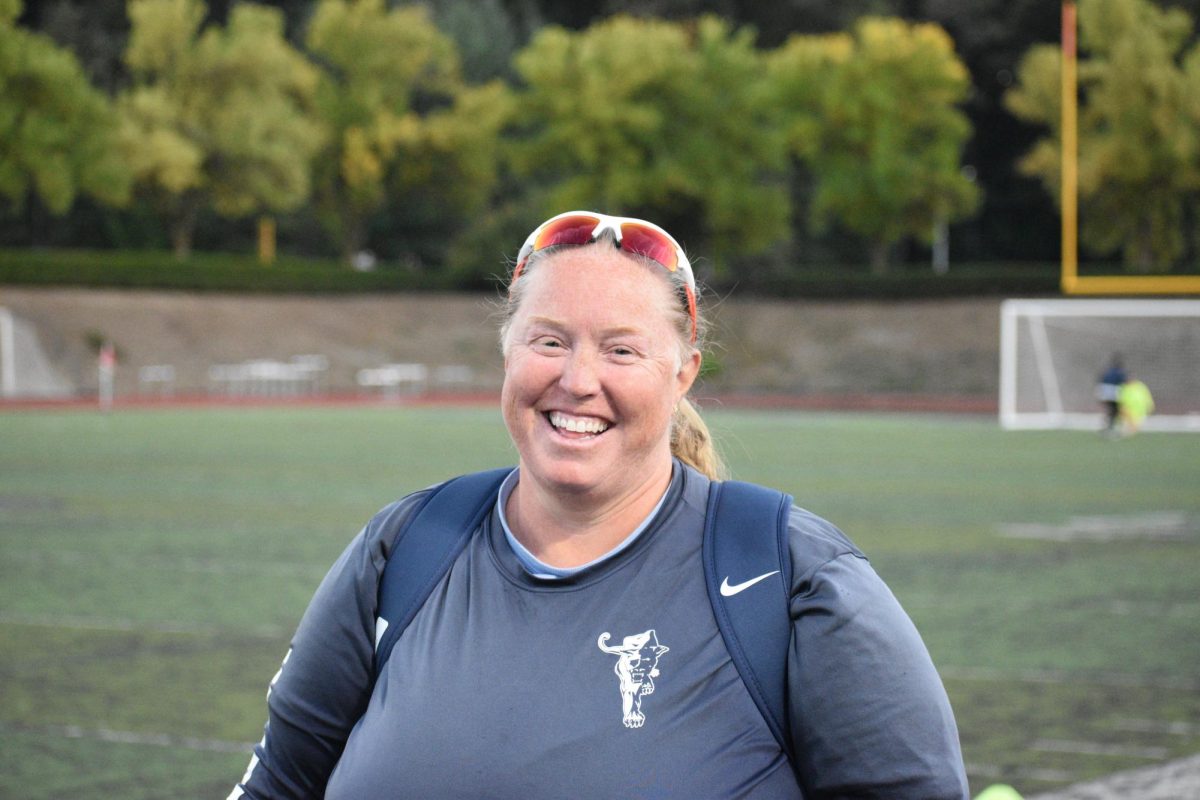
{"x": 216, "y": 117}
{"x": 874, "y": 119}
{"x": 1139, "y": 127}
{"x": 668, "y": 120}
{"x": 57, "y": 132}
{"x": 396, "y": 115}
{"x": 95, "y": 31}
{"x": 484, "y": 33}
{"x": 446, "y": 177}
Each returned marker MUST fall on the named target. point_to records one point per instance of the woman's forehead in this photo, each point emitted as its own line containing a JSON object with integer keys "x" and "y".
{"x": 597, "y": 283}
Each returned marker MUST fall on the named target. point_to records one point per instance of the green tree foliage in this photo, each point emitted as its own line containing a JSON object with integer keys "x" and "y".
{"x": 483, "y": 31}
{"x": 216, "y": 117}
{"x": 670, "y": 120}
{"x": 1139, "y": 127}
{"x": 447, "y": 176}
{"x": 397, "y": 116}
{"x": 57, "y": 132}
{"x": 874, "y": 117}
{"x": 95, "y": 31}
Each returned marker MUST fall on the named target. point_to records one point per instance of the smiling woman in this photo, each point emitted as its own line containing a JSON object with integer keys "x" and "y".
{"x": 501, "y": 685}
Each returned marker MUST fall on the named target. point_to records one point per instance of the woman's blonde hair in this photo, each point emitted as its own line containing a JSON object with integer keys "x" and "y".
{"x": 691, "y": 441}
{"x": 692, "y": 444}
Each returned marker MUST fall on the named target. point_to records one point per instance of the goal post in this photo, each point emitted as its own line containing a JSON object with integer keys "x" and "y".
{"x": 1072, "y": 282}
{"x": 8, "y": 349}
{"x": 1053, "y": 351}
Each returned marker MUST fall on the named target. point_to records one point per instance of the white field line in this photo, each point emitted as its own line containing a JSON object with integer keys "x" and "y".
{"x": 209, "y": 566}
{"x": 136, "y": 625}
{"x": 1153, "y": 526}
{"x": 133, "y": 737}
{"x": 1116, "y": 607}
{"x": 1157, "y": 726}
{"x": 1140, "y": 608}
{"x": 1099, "y": 749}
{"x": 1064, "y": 677}
{"x": 993, "y": 772}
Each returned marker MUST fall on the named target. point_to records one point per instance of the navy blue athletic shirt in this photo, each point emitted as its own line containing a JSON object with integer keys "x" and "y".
{"x": 613, "y": 682}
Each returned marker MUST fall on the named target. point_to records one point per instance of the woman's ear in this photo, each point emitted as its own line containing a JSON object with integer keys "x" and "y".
{"x": 687, "y": 373}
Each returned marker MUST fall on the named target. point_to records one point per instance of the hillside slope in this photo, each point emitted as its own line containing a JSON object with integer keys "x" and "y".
{"x": 944, "y": 347}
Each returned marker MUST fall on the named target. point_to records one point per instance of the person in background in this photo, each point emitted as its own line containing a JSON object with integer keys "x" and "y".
{"x": 1136, "y": 403}
{"x": 590, "y": 563}
{"x": 1108, "y": 386}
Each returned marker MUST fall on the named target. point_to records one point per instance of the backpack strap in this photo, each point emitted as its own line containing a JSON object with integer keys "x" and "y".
{"x": 424, "y": 549}
{"x": 747, "y": 569}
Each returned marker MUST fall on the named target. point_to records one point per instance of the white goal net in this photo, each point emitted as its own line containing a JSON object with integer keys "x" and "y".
{"x": 1052, "y": 353}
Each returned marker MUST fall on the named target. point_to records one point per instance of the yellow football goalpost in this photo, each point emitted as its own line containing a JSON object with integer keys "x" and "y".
{"x": 1072, "y": 281}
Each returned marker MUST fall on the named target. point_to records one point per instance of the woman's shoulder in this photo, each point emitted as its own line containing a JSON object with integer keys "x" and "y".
{"x": 476, "y": 490}
{"x": 814, "y": 541}
{"x": 381, "y": 530}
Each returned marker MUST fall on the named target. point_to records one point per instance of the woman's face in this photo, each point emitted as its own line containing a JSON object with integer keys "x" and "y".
{"x": 592, "y": 373}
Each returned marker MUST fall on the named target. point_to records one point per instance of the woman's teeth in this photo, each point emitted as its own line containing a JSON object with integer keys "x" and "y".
{"x": 577, "y": 424}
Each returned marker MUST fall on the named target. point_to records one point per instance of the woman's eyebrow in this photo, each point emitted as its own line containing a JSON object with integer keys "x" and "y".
{"x": 606, "y": 333}
{"x": 549, "y": 322}
{"x": 623, "y": 330}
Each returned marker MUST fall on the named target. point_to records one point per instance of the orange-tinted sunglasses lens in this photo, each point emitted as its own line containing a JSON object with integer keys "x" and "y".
{"x": 649, "y": 243}
{"x": 568, "y": 230}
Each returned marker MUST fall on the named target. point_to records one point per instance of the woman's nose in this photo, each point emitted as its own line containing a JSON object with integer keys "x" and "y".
{"x": 580, "y": 376}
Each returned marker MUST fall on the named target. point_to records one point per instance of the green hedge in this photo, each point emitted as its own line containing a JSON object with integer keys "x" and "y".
{"x": 239, "y": 273}
{"x": 904, "y": 281}
{"x": 201, "y": 272}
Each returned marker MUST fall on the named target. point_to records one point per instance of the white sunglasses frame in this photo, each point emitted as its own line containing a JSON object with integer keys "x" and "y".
{"x": 606, "y": 222}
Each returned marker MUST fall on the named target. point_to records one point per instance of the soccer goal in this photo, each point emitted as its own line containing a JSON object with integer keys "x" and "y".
{"x": 1052, "y": 353}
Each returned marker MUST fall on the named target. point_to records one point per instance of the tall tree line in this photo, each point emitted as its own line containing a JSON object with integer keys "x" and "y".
{"x": 417, "y": 141}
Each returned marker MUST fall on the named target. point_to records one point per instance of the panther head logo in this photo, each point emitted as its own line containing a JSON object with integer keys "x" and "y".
{"x": 636, "y": 669}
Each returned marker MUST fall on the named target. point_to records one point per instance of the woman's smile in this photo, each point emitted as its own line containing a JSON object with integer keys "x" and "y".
{"x": 576, "y": 426}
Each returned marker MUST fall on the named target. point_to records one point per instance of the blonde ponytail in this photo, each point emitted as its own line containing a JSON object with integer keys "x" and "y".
{"x": 692, "y": 444}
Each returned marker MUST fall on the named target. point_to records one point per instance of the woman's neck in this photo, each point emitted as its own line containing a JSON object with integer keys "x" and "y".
{"x": 568, "y": 530}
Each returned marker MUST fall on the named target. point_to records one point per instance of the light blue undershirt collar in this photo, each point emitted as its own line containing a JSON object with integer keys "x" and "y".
{"x": 540, "y": 569}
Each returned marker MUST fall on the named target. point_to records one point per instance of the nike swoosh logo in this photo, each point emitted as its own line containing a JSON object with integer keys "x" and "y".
{"x": 730, "y": 591}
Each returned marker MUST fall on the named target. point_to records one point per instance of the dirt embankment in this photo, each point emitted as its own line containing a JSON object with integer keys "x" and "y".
{"x": 807, "y": 348}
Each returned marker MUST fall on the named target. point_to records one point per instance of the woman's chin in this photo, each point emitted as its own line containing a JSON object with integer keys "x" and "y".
{"x": 571, "y": 476}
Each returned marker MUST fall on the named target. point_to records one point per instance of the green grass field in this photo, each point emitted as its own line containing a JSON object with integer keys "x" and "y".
{"x": 153, "y": 564}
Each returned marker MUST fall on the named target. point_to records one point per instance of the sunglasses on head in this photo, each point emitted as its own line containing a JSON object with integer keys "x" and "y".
{"x": 632, "y": 235}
